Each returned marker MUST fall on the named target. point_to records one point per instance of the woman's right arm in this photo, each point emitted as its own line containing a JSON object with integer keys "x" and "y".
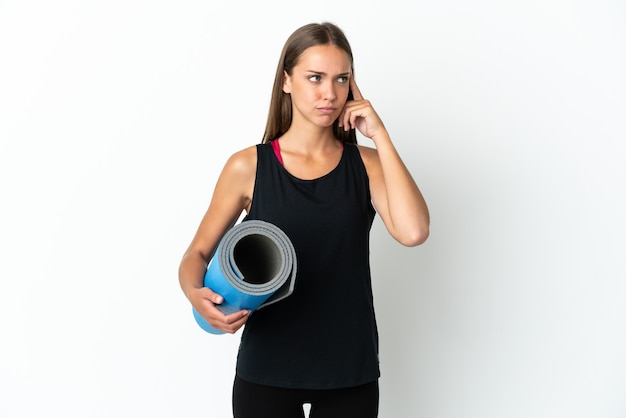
{"x": 232, "y": 195}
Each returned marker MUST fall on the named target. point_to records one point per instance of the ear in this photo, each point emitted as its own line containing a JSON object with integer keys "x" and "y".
{"x": 286, "y": 83}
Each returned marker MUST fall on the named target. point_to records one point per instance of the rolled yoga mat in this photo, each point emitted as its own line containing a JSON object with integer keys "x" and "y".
{"x": 254, "y": 266}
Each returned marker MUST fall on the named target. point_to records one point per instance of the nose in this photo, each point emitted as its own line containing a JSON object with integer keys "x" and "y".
{"x": 329, "y": 91}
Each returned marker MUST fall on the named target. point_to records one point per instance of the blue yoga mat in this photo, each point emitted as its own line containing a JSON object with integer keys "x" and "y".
{"x": 254, "y": 266}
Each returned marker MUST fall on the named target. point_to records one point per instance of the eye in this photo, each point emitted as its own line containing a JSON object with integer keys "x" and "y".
{"x": 315, "y": 78}
{"x": 343, "y": 79}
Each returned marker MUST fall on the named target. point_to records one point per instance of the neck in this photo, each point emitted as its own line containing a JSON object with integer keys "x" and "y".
{"x": 309, "y": 139}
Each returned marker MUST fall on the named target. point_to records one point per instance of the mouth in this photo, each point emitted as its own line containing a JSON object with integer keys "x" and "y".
{"x": 327, "y": 110}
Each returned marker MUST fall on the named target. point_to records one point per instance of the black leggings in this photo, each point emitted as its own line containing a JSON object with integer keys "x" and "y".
{"x": 258, "y": 401}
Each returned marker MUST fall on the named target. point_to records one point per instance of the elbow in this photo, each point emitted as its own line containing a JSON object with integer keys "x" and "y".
{"x": 414, "y": 237}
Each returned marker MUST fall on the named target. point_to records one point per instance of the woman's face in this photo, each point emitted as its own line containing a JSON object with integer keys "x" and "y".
{"x": 319, "y": 85}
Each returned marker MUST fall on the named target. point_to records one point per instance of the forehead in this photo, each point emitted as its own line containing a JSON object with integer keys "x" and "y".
{"x": 324, "y": 58}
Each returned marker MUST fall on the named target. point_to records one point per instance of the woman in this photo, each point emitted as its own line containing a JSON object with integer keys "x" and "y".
{"x": 311, "y": 179}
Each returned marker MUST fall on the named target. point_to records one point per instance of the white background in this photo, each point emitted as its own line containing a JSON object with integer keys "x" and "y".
{"x": 116, "y": 118}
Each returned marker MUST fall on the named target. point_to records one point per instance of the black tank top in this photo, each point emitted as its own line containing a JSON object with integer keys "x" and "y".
{"x": 324, "y": 335}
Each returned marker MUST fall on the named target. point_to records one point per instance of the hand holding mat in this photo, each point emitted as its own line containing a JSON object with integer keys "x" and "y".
{"x": 254, "y": 266}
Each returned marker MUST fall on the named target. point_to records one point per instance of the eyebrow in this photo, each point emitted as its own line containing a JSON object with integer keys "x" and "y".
{"x": 323, "y": 73}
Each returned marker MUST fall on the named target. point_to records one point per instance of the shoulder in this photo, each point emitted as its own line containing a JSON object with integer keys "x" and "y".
{"x": 370, "y": 158}
{"x": 237, "y": 178}
{"x": 367, "y": 152}
{"x": 242, "y": 163}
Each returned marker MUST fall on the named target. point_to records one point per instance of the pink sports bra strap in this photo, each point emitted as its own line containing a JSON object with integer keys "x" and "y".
{"x": 276, "y": 148}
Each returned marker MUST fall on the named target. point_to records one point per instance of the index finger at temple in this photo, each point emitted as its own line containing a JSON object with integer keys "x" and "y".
{"x": 356, "y": 93}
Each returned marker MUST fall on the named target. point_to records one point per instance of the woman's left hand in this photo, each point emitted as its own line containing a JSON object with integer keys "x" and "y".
{"x": 360, "y": 114}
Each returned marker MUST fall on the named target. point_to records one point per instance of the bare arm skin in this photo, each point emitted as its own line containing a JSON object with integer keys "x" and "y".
{"x": 233, "y": 194}
{"x": 395, "y": 194}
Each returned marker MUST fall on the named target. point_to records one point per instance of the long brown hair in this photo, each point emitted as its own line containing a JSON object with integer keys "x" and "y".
{"x": 280, "y": 116}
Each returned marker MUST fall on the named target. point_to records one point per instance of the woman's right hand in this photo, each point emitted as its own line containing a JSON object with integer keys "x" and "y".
{"x": 204, "y": 300}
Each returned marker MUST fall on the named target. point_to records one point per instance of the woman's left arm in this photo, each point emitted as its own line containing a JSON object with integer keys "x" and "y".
{"x": 395, "y": 194}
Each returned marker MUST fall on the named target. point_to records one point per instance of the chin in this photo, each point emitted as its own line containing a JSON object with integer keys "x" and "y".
{"x": 326, "y": 122}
